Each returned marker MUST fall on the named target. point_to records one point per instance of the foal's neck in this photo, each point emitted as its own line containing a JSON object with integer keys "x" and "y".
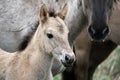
{"x": 39, "y": 58}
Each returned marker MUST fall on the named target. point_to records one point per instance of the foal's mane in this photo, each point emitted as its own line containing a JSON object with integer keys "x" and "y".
{"x": 25, "y": 41}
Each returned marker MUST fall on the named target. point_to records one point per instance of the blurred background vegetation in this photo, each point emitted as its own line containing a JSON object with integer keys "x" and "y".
{"x": 108, "y": 70}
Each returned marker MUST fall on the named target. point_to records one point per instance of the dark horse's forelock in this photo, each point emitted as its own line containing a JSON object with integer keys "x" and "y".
{"x": 25, "y": 41}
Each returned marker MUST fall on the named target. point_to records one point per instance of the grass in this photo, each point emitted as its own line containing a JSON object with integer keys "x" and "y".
{"x": 110, "y": 68}
{"x": 58, "y": 77}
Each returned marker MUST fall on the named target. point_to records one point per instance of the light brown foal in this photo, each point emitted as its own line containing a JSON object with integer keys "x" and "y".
{"x": 49, "y": 41}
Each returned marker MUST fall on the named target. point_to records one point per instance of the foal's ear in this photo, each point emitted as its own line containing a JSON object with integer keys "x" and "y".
{"x": 43, "y": 13}
{"x": 62, "y": 14}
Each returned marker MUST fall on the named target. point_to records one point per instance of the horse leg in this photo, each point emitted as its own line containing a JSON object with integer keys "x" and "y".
{"x": 99, "y": 52}
{"x": 82, "y": 51}
{"x": 81, "y": 66}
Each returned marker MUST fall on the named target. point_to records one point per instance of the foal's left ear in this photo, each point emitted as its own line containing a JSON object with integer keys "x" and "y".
{"x": 62, "y": 14}
{"x": 43, "y": 13}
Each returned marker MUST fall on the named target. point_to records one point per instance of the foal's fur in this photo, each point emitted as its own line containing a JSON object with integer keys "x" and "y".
{"x": 11, "y": 40}
{"x": 34, "y": 62}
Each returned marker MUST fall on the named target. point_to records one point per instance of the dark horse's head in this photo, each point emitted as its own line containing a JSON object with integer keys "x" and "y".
{"x": 98, "y": 12}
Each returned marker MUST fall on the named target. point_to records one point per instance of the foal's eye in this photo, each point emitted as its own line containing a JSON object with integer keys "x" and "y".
{"x": 49, "y": 35}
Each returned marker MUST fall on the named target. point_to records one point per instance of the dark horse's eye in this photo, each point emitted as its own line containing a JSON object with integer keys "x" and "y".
{"x": 49, "y": 35}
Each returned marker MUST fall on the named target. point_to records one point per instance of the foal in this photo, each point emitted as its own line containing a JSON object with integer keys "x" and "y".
{"x": 49, "y": 41}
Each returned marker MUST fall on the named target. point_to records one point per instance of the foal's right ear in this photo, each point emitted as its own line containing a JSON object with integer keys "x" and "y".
{"x": 62, "y": 14}
{"x": 43, "y": 13}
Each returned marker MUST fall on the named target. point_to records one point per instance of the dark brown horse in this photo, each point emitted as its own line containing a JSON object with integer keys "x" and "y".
{"x": 98, "y": 12}
{"x": 90, "y": 54}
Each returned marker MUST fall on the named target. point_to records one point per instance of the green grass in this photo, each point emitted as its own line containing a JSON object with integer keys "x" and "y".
{"x": 110, "y": 68}
{"x": 58, "y": 77}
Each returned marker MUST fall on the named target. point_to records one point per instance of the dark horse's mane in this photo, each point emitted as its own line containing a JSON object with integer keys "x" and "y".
{"x": 116, "y": 1}
{"x": 25, "y": 41}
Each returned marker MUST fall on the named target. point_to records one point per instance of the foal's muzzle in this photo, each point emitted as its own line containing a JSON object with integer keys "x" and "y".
{"x": 68, "y": 60}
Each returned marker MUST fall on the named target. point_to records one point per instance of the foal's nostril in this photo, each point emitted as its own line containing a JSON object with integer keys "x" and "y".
{"x": 67, "y": 58}
{"x": 68, "y": 61}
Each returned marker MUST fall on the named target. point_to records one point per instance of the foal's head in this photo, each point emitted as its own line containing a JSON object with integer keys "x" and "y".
{"x": 98, "y": 12}
{"x": 55, "y": 34}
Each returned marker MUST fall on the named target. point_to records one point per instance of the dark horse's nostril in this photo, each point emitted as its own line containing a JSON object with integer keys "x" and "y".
{"x": 105, "y": 31}
{"x": 98, "y": 34}
{"x": 91, "y": 30}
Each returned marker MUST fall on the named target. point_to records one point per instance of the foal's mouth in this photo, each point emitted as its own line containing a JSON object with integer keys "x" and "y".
{"x": 67, "y": 64}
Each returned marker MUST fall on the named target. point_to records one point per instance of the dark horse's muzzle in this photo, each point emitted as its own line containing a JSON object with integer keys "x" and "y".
{"x": 98, "y": 34}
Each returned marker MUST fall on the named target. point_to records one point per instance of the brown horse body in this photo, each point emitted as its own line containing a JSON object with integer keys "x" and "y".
{"x": 90, "y": 54}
